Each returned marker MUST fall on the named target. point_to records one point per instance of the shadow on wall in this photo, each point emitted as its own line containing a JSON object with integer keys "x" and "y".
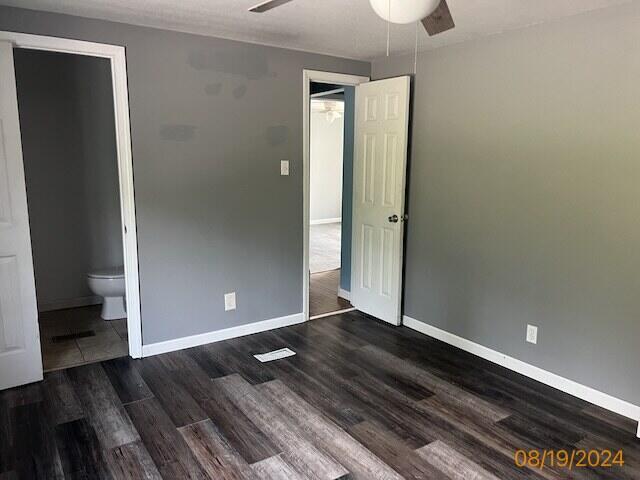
{"x": 347, "y": 186}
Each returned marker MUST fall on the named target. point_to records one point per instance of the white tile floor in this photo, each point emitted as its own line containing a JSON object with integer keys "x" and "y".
{"x": 324, "y": 247}
{"x": 109, "y": 338}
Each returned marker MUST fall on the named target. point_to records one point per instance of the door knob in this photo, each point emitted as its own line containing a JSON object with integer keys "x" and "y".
{"x": 393, "y": 219}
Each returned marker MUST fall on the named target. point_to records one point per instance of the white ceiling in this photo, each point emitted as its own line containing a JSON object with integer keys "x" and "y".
{"x": 346, "y": 28}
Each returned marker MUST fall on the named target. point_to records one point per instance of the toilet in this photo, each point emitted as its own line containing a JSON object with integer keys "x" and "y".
{"x": 109, "y": 284}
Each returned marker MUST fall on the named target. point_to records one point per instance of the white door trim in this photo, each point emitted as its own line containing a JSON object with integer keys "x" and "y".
{"x": 116, "y": 55}
{"x": 309, "y": 76}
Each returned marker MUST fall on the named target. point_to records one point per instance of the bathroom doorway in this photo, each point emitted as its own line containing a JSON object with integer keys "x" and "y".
{"x": 65, "y": 104}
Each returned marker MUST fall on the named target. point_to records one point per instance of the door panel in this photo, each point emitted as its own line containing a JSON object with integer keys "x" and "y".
{"x": 380, "y": 157}
{"x": 20, "y": 358}
{"x": 367, "y": 256}
{"x": 387, "y": 250}
{"x": 11, "y": 336}
{"x": 389, "y": 170}
{"x": 369, "y": 169}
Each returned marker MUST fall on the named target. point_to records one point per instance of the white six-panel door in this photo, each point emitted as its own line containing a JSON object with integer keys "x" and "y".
{"x": 20, "y": 358}
{"x": 379, "y": 172}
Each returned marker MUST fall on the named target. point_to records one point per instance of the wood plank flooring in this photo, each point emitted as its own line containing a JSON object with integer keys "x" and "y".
{"x": 323, "y": 293}
{"x": 359, "y": 400}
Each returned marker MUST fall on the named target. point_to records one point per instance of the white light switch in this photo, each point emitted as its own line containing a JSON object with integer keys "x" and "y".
{"x": 532, "y": 334}
{"x": 229, "y": 301}
{"x": 284, "y": 167}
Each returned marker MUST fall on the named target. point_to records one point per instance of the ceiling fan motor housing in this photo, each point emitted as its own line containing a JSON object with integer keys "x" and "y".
{"x": 403, "y": 11}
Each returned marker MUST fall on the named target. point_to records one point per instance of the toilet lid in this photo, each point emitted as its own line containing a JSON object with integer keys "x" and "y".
{"x": 114, "y": 272}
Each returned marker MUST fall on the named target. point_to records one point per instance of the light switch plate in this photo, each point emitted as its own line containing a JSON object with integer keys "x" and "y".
{"x": 284, "y": 167}
{"x": 532, "y": 334}
{"x": 229, "y": 301}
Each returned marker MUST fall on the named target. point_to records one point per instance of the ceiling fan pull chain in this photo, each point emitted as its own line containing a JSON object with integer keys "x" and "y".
{"x": 388, "y": 27}
{"x": 415, "y": 55}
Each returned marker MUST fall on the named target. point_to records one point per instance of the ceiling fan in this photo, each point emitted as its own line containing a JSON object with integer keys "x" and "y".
{"x": 332, "y": 109}
{"x": 434, "y": 14}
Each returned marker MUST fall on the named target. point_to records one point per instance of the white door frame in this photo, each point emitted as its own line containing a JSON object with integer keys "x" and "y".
{"x": 116, "y": 55}
{"x": 309, "y": 76}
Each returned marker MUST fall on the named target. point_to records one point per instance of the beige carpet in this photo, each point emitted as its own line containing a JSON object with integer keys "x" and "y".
{"x": 324, "y": 247}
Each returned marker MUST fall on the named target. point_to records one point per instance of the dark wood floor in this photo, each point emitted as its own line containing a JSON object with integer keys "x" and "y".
{"x": 323, "y": 293}
{"x": 359, "y": 400}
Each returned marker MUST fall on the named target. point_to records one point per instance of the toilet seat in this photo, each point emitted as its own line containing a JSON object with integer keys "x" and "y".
{"x": 107, "y": 273}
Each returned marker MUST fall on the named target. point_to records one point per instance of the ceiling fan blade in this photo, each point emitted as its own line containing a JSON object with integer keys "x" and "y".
{"x": 440, "y": 20}
{"x": 268, "y": 5}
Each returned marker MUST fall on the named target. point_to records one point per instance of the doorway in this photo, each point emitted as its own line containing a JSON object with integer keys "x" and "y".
{"x": 65, "y": 105}
{"x": 88, "y": 318}
{"x": 329, "y": 121}
{"x": 330, "y": 167}
{"x": 376, "y": 187}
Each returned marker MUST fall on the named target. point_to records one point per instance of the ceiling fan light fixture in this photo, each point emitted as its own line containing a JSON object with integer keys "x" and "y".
{"x": 333, "y": 115}
{"x": 403, "y": 11}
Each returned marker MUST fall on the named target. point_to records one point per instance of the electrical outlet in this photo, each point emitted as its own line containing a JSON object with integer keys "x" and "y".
{"x": 532, "y": 334}
{"x": 229, "y": 301}
{"x": 284, "y": 167}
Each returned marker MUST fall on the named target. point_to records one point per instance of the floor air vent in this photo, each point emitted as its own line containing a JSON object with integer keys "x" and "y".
{"x": 275, "y": 355}
{"x": 72, "y": 336}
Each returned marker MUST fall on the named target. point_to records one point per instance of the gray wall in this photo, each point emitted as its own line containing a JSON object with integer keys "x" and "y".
{"x": 210, "y": 121}
{"x": 69, "y": 148}
{"x": 347, "y": 186}
{"x": 524, "y": 195}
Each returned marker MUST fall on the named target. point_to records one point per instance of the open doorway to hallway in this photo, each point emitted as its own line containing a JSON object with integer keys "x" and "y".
{"x": 330, "y": 171}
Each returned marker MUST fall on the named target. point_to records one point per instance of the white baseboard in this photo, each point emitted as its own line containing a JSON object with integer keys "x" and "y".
{"x": 606, "y": 401}
{"x": 69, "y": 303}
{"x": 346, "y": 294}
{"x": 219, "y": 335}
{"x": 322, "y": 221}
